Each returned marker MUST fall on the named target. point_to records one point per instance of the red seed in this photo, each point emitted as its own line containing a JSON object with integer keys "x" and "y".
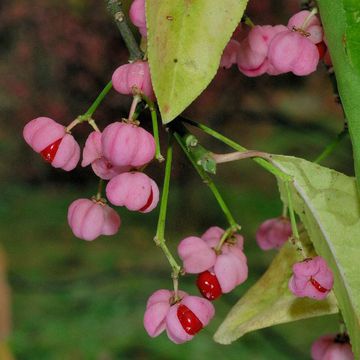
{"x": 48, "y": 154}
{"x": 321, "y": 49}
{"x": 317, "y": 286}
{"x": 148, "y": 202}
{"x": 208, "y": 285}
{"x": 188, "y": 320}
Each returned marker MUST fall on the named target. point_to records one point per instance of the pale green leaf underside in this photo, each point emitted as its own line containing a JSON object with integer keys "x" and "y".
{"x": 328, "y": 205}
{"x": 269, "y": 302}
{"x": 186, "y": 39}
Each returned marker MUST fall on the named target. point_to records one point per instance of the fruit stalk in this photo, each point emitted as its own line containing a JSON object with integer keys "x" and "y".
{"x": 160, "y": 231}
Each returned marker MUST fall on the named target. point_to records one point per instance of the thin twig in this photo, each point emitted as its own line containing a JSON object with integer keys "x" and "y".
{"x": 238, "y": 155}
{"x": 331, "y": 147}
{"x": 116, "y": 10}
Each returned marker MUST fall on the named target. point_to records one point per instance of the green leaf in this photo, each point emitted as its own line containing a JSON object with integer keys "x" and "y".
{"x": 269, "y": 302}
{"x": 341, "y": 21}
{"x": 328, "y": 205}
{"x": 186, "y": 39}
{"x": 352, "y": 32}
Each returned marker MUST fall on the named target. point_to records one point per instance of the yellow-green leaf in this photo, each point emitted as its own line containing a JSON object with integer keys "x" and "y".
{"x": 186, "y": 39}
{"x": 328, "y": 205}
{"x": 269, "y": 302}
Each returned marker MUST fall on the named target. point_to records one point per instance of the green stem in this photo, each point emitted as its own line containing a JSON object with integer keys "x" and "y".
{"x": 223, "y": 238}
{"x": 160, "y": 231}
{"x": 155, "y": 126}
{"x": 247, "y": 21}
{"x": 116, "y": 10}
{"x": 89, "y": 113}
{"x": 202, "y": 157}
{"x": 100, "y": 188}
{"x": 139, "y": 109}
{"x": 262, "y": 162}
{"x": 285, "y": 211}
{"x": 342, "y": 326}
{"x": 295, "y": 233}
{"x": 331, "y": 147}
{"x": 209, "y": 182}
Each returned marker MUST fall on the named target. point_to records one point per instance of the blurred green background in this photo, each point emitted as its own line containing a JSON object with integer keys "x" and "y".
{"x": 77, "y": 300}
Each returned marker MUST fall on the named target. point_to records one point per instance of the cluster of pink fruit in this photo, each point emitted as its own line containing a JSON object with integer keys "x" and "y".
{"x": 116, "y": 154}
{"x": 221, "y": 265}
{"x": 274, "y": 50}
{"x": 217, "y": 257}
{"x": 279, "y": 49}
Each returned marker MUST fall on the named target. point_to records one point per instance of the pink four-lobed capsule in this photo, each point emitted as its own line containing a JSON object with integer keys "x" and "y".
{"x": 50, "y": 139}
{"x": 88, "y": 219}
{"x": 134, "y": 190}
{"x": 126, "y": 144}
{"x": 229, "y": 265}
{"x": 134, "y": 77}
{"x": 181, "y": 319}
{"x": 311, "y": 278}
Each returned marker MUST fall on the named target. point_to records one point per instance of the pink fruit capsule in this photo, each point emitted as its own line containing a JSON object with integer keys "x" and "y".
{"x": 187, "y": 318}
{"x": 230, "y": 268}
{"x": 196, "y": 254}
{"x": 313, "y": 26}
{"x": 137, "y": 16}
{"x": 133, "y": 77}
{"x": 273, "y": 233}
{"x": 157, "y": 308}
{"x": 181, "y": 319}
{"x": 47, "y": 137}
{"x": 229, "y": 265}
{"x": 214, "y": 233}
{"x": 92, "y": 154}
{"x": 229, "y": 55}
{"x": 89, "y": 219}
{"x": 134, "y": 190}
{"x": 253, "y": 51}
{"x": 311, "y": 278}
{"x": 127, "y": 145}
{"x": 332, "y": 347}
{"x": 290, "y": 51}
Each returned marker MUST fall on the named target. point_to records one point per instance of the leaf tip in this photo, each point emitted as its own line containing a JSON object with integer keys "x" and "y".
{"x": 221, "y": 339}
{"x": 166, "y": 113}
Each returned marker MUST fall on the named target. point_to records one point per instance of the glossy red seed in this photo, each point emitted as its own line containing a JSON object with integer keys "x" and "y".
{"x": 188, "y": 320}
{"x": 148, "y": 202}
{"x": 208, "y": 285}
{"x": 49, "y": 153}
{"x": 321, "y": 49}
{"x": 317, "y": 286}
